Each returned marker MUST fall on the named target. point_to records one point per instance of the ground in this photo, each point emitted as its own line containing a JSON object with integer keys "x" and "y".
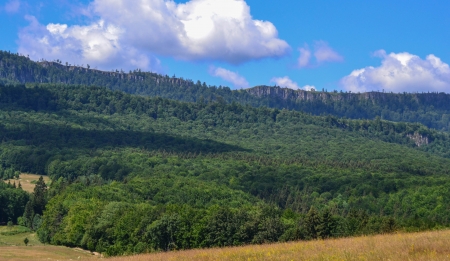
{"x": 425, "y": 246}
{"x": 433, "y": 245}
{"x": 28, "y": 181}
{"x": 12, "y": 247}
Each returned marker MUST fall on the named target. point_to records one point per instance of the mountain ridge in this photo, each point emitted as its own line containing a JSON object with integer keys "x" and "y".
{"x": 430, "y": 109}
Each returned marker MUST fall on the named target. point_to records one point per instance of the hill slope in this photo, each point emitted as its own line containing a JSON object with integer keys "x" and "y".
{"x": 430, "y": 109}
{"x": 134, "y": 174}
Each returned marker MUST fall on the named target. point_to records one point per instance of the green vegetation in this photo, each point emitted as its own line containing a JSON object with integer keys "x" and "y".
{"x": 132, "y": 174}
{"x": 15, "y": 236}
{"x": 430, "y": 109}
{"x": 12, "y": 203}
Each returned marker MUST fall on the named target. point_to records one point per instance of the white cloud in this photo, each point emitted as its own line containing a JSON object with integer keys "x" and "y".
{"x": 305, "y": 56}
{"x": 229, "y": 76}
{"x": 309, "y": 88}
{"x": 288, "y": 83}
{"x": 97, "y": 44}
{"x": 12, "y": 6}
{"x": 323, "y": 53}
{"x": 197, "y": 30}
{"x": 401, "y": 72}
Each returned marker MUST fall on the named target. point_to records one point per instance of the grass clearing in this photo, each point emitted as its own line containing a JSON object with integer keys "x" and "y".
{"x": 12, "y": 247}
{"x": 423, "y": 246}
{"x": 28, "y": 181}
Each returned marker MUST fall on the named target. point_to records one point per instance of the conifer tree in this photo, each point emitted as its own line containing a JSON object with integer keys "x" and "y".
{"x": 39, "y": 196}
{"x": 312, "y": 223}
{"x": 28, "y": 214}
{"x": 327, "y": 224}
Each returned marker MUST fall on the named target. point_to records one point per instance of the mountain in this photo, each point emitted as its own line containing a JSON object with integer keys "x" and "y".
{"x": 430, "y": 109}
{"x": 133, "y": 174}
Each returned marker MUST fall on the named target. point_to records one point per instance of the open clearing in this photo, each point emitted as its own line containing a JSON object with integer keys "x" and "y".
{"x": 424, "y": 246}
{"x": 28, "y": 181}
{"x": 12, "y": 247}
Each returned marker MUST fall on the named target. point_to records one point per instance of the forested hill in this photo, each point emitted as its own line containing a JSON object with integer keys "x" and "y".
{"x": 133, "y": 174}
{"x": 430, "y": 109}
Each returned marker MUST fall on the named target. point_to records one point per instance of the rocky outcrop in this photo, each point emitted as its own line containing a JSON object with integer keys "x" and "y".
{"x": 420, "y": 140}
{"x": 302, "y": 95}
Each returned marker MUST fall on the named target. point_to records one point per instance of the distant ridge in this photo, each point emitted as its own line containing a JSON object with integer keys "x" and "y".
{"x": 430, "y": 109}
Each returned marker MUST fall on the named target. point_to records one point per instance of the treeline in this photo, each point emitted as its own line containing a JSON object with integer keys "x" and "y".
{"x": 134, "y": 217}
{"x": 430, "y": 109}
{"x": 114, "y": 229}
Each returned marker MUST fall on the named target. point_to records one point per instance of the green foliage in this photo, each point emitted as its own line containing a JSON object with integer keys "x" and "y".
{"x": 430, "y": 109}
{"x": 15, "y": 230}
{"x": 135, "y": 174}
{"x": 12, "y": 203}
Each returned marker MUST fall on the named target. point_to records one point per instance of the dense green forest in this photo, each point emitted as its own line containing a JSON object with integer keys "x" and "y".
{"x": 134, "y": 174}
{"x": 430, "y": 109}
{"x": 12, "y": 202}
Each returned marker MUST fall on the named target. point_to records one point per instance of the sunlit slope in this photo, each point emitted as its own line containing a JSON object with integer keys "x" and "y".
{"x": 126, "y": 168}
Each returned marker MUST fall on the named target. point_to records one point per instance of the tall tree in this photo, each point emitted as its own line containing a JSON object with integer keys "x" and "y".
{"x": 312, "y": 223}
{"x": 39, "y": 196}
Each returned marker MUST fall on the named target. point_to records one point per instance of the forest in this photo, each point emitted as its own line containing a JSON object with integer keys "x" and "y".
{"x": 136, "y": 173}
{"x": 429, "y": 109}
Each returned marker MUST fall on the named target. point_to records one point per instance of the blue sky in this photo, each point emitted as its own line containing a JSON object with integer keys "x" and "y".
{"x": 336, "y": 45}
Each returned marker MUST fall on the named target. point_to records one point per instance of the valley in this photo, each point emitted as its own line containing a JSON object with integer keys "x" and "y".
{"x": 138, "y": 172}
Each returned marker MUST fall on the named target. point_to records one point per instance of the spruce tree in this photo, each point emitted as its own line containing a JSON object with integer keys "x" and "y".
{"x": 28, "y": 214}
{"x": 327, "y": 224}
{"x": 312, "y": 223}
{"x": 39, "y": 196}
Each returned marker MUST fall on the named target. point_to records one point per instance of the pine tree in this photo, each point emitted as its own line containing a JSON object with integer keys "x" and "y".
{"x": 312, "y": 222}
{"x": 327, "y": 224}
{"x": 39, "y": 196}
{"x": 28, "y": 214}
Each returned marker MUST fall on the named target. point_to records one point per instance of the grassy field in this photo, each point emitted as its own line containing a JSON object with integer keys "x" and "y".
{"x": 402, "y": 246}
{"x": 28, "y": 181}
{"x": 424, "y": 246}
{"x": 12, "y": 247}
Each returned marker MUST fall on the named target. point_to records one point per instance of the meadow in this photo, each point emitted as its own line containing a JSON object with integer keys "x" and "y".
{"x": 28, "y": 181}
{"x": 433, "y": 245}
{"x": 12, "y": 247}
{"x": 421, "y": 246}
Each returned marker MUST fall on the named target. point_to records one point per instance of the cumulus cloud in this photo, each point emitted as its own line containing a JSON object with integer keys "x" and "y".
{"x": 237, "y": 80}
{"x": 323, "y": 53}
{"x": 197, "y": 30}
{"x": 288, "y": 83}
{"x": 401, "y": 72}
{"x": 12, "y": 6}
{"x": 97, "y": 44}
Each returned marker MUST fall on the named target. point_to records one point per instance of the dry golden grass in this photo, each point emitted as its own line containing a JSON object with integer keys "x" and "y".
{"x": 26, "y": 180}
{"x": 424, "y": 246}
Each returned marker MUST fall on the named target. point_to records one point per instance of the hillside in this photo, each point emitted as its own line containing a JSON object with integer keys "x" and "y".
{"x": 132, "y": 174}
{"x": 430, "y": 109}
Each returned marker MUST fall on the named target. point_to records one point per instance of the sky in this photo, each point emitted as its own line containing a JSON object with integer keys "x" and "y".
{"x": 349, "y": 45}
